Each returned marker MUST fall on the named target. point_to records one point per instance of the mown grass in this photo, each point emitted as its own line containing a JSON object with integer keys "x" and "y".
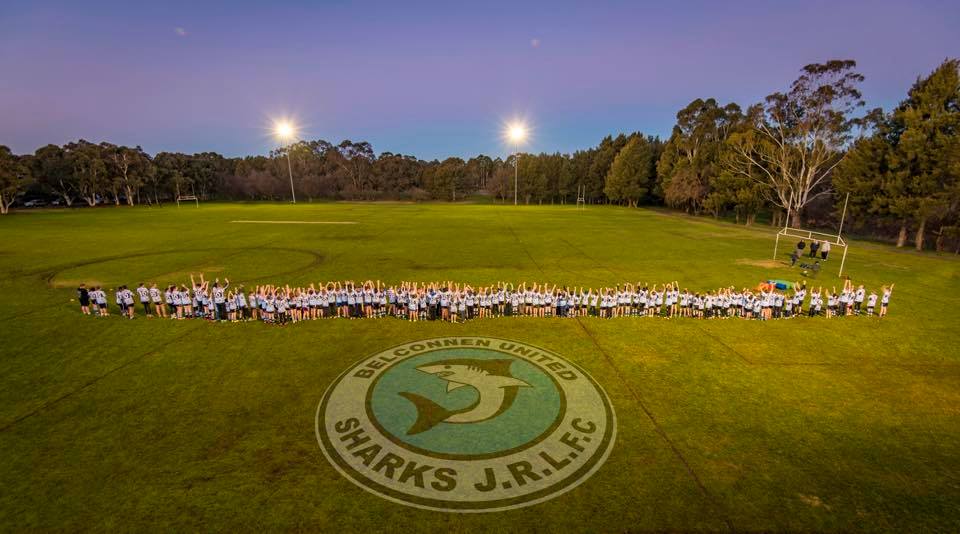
{"x": 788, "y": 425}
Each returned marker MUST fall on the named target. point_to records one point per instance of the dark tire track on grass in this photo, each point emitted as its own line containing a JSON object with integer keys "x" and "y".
{"x": 638, "y": 399}
{"x": 48, "y": 274}
{"x": 643, "y": 407}
{"x": 842, "y": 365}
{"x": 724, "y": 344}
{"x": 593, "y": 260}
{"x": 525, "y": 250}
{"x": 94, "y": 381}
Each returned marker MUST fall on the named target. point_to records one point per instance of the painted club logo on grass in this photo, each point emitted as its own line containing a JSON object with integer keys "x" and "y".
{"x": 466, "y": 424}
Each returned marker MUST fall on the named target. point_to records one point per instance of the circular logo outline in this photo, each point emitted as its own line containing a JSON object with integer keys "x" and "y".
{"x": 580, "y": 475}
{"x": 483, "y": 456}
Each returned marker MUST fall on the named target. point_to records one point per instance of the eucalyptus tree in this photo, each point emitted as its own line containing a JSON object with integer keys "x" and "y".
{"x": 89, "y": 168}
{"x": 797, "y": 138}
{"x": 52, "y": 171}
{"x": 14, "y": 178}
{"x": 130, "y": 169}
{"x": 691, "y": 157}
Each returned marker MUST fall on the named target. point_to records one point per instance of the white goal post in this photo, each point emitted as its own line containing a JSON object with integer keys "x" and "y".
{"x": 581, "y": 193}
{"x": 187, "y": 198}
{"x": 833, "y": 239}
{"x": 192, "y": 196}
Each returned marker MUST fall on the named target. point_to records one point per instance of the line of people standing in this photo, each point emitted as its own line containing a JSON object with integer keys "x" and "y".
{"x": 449, "y": 301}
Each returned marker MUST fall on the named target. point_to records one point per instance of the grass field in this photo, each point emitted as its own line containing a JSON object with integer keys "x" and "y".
{"x": 849, "y": 424}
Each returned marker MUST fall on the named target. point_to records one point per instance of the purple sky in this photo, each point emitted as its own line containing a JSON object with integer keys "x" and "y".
{"x": 424, "y": 78}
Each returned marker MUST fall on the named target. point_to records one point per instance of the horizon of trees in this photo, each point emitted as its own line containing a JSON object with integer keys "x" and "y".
{"x": 791, "y": 159}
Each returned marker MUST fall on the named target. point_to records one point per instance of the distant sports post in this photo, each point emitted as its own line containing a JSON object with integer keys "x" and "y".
{"x": 833, "y": 239}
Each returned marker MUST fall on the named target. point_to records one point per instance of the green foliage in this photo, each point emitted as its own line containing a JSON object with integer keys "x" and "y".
{"x": 862, "y": 174}
{"x": 691, "y": 157}
{"x": 89, "y": 169}
{"x": 602, "y": 159}
{"x": 907, "y": 169}
{"x": 54, "y": 174}
{"x": 445, "y": 179}
{"x": 14, "y": 177}
{"x": 633, "y": 171}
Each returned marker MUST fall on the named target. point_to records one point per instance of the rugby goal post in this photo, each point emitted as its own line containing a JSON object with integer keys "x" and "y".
{"x": 833, "y": 239}
{"x": 187, "y": 198}
{"x": 581, "y": 201}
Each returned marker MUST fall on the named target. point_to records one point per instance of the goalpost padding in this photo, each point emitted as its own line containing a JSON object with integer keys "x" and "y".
{"x": 833, "y": 239}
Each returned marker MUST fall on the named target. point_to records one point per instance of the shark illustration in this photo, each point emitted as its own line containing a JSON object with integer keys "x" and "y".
{"x": 495, "y": 386}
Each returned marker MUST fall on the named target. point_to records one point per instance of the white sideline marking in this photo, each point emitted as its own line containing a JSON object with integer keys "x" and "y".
{"x": 296, "y": 222}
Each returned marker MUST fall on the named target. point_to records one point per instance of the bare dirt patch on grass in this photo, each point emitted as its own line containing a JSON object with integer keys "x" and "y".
{"x": 813, "y": 501}
{"x": 766, "y": 264}
{"x": 74, "y": 282}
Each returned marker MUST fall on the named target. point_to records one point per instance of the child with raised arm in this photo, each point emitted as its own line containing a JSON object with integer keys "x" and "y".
{"x": 83, "y": 296}
{"x": 885, "y": 299}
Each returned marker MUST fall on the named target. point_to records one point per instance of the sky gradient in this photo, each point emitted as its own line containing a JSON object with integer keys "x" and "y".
{"x": 428, "y": 79}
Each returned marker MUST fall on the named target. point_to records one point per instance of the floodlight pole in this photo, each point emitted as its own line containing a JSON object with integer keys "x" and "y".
{"x": 516, "y": 170}
{"x": 290, "y": 170}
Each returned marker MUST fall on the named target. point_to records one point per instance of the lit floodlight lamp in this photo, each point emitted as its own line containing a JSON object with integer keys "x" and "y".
{"x": 286, "y": 131}
{"x": 516, "y": 133}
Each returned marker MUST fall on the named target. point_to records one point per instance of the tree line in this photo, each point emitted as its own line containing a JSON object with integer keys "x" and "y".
{"x": 794, "y": 157}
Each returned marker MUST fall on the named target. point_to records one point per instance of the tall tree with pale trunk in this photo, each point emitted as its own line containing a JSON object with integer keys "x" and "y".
{"x": 14, "y": 177}
{"x": 797, "y": 138}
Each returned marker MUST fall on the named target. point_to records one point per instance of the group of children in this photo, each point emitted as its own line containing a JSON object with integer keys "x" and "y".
{"x": 448, "y": 301}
